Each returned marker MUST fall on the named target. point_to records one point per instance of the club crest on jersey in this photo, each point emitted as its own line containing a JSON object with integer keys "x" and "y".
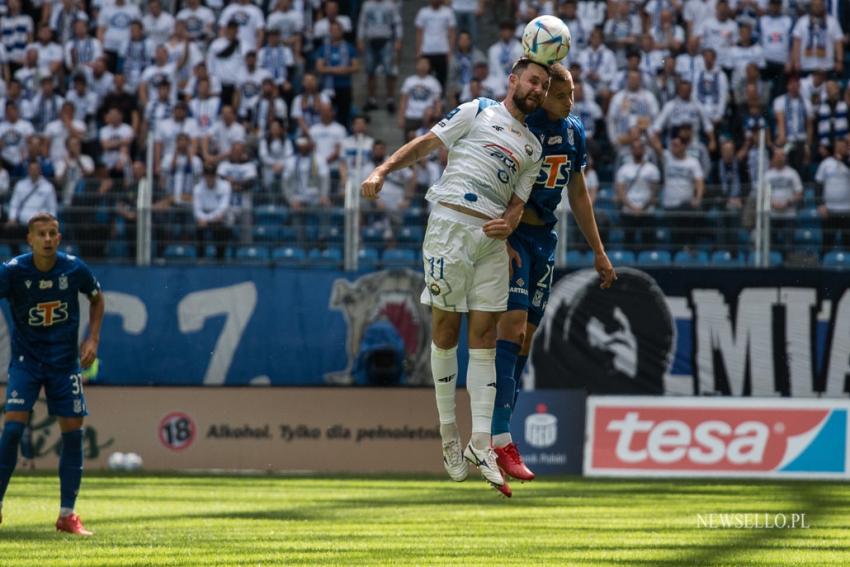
{"x": 570, "y": 136}
{"x": 48, "y": 313}
{"x": 528, "y": 150}
{"x": 28, "y": 283}
{"x": 555, "y": 140}
{"x": 45, "y": 284}
{"x": 63, "y": 282}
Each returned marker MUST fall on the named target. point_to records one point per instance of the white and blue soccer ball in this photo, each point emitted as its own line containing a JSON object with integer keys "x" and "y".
{"x": 124, "y": 461}
{"x": 546, "y": 40}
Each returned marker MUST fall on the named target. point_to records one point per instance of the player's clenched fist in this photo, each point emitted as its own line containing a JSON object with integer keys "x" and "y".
{"x": 372, "y": 185}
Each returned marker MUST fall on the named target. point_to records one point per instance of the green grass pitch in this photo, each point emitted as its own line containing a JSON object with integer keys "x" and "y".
{"x": 205, "y": 520}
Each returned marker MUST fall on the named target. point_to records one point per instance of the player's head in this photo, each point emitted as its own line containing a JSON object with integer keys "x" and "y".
{"x": 43, "y": 234}
{"x": 559, "y": 99}
{"x": 527, "y": 85}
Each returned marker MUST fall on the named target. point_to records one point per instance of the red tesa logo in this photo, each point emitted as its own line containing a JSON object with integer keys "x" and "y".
{"x": 176, "y": 431}
{"x": 697, "y": 438}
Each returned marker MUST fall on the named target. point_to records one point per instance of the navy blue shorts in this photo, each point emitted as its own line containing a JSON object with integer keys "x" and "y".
{"x": 63, "y": 389}
{"x": 530, "y": 283}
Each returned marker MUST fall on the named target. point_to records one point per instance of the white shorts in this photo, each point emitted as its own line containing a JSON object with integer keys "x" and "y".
{"x": 464, "y": 269}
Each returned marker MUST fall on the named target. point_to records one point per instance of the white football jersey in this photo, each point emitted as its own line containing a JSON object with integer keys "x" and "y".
{"x": 491, "y": 157}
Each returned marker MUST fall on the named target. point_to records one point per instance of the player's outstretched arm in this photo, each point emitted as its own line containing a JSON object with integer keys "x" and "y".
{"x": 88, "y": 350}
{"x": 583, "y": 211}
{"x": 405, "y": 156}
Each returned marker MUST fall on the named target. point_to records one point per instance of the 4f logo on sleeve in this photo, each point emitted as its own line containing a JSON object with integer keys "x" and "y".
{"x": 48, "y": 313}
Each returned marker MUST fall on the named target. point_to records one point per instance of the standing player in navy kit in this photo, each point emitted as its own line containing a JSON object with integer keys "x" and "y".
{"x": 42, "y": 288}
{"x": 531, "y": 248}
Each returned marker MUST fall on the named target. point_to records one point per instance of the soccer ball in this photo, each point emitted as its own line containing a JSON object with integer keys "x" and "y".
{"x": 117, "y": 461}
{"x": 132, "y": 462}
{"x": 546, "y": 40}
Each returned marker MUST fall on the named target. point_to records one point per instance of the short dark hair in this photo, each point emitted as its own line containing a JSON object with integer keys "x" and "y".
{"x": 524, "y": 63}
{"x": 43, "y": 216}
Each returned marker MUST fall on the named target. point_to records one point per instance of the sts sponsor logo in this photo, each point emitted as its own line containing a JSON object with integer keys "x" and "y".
{"x": 554, "y": 172}
{"x": 48, "y": 313}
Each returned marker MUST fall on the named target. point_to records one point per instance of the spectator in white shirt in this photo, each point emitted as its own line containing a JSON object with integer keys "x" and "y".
{"x": 81, "y": 50}
{"x": 249, "y": 86}
{"x": 305, "y": 106}
{"x": 14, "y": 134}
{"x": 467, "y": 13}
{"x": 678, "y": 111}
{"x": 690, "y": 61}
{"x": 356, "y": 151}
{"x": 306, "y": 178}
{"x": 225, "y": 61}
{"x": 17, "y": 32}
{"x": 278, "y": 59}
{"x": 720, "y": 32}
{"x": 421, "y": 97}
{"x": 684, "y": 187}
{"x": 435, "y": 37}
{"x": 746, "y": 51}
{"x": 169, "y": 129}
{"x": 210, "y": 204}
{"x": 636, "y": 184}
{"x": 818, "y": 42}
{"x": 599, "y": 65}
{"x": 159, "y": 25}
{"x": 113, "y": 28}
{"x": 115, "y": 141}
{"x": 45, "y": 107}
{"x": 786, "y": 192}
{"x": 379, "y": 33}
{"x": 711, "y": 88}
{"x": 275, "y": 150}
{"x": 632, "y": 107}
{"x": 225, "y": 133}
{"x": 31, "y": 195}
{"x": 775, "y": 39}
{"x": 72, "y": 170}
{"x": 833, "y": 178}
{"x": 242, "y": 175}
{"x": 289, "y": 23}
{"x": 58, "y": 131}
{"x": 794, "y": 120}
{"x": 50, "y": 54}
{"x": 502, "y": 55}
{"x": 327, "y": 136}
{"x": 136, "y": 55}
{"x": 199, "y": 20}
{"x": 251, "y": 21}
{"x": 180, "y": 170}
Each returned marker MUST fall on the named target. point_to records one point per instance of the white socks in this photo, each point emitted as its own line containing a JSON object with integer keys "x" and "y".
{"x": 481, "y": 385}
{"x": 444, "y": 370}
{"x": 502, "y": 440}
{"x": 65, "y": 512}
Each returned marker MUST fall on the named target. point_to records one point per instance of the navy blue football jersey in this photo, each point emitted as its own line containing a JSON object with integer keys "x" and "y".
{"x": 45, "y": 308}
{"x": 564, "y": 153}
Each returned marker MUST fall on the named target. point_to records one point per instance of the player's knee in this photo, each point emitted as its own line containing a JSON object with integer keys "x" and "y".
{"x": 13, "y": 430}
{"x": 512, "y": 327}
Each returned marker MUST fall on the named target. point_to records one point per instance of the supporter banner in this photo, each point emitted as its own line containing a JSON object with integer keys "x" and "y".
{"x": 299, "y": 429}
{"x": 698, "y": 332}
{"x": 770, "y": 438}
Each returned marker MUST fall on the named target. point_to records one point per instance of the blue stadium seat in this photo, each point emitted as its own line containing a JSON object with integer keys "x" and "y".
{"x": 809, "y": 198}
{"x": 368, "y": 258}
{"x": 266, "y": 233}
{"x": 808, "y": 218}
{"x": 252, "y": 254}
{"x": 288, "y": 234}
{"x": 289, "y": 255}
{"x": 743, "y": 236}
{"x": 410, "y": 234}
{"x": 579, "y": 259}
{"x": 179, "y": 252}
{"x": 837, "y": 259}
{"x": 327, "y": 258}
{"x": 808, "y": 239}
{"x": 270, "y": 215}
{"x": 5, "y": 252}
{"x": 616, "y": 236}
{"x": 605, "y": 194}
{"x": 654, "y": 258}
{"x": 621, "y": 257}
{"x": 373, "y": 235}
{"x": 775, "y": 259}
{"x": 415, "y": 216}
{"x": 333, "y": 234}
{"x": 71, "y": 249}
{"x": 663, "y": 236}
{"x": 726, "y": 259}
{"x": 691, "y": 258}
{"x": 399, "y": 257}
{"x": 117, "y": 249}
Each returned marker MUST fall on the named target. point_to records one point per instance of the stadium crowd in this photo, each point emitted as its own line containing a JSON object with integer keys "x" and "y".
{"x": 257, "y": 127}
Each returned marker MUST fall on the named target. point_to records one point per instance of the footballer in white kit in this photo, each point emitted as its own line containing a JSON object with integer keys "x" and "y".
{"x": 492, "y": 164}
{"x": 491, "y": 158}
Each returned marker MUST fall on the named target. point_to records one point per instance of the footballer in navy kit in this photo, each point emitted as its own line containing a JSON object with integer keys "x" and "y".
{"x": 42, "y": 288}
{"x": 531, "y": 249}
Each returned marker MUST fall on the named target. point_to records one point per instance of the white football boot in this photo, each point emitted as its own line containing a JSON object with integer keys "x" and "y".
{"x": 453, "y": 460}
{"x": 485, "y": 460}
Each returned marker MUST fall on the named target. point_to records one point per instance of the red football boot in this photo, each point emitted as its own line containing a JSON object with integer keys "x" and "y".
{"x": 72, "y": 524}
{"x": 510, "y": 461}
{"x": 504, "y": 488}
